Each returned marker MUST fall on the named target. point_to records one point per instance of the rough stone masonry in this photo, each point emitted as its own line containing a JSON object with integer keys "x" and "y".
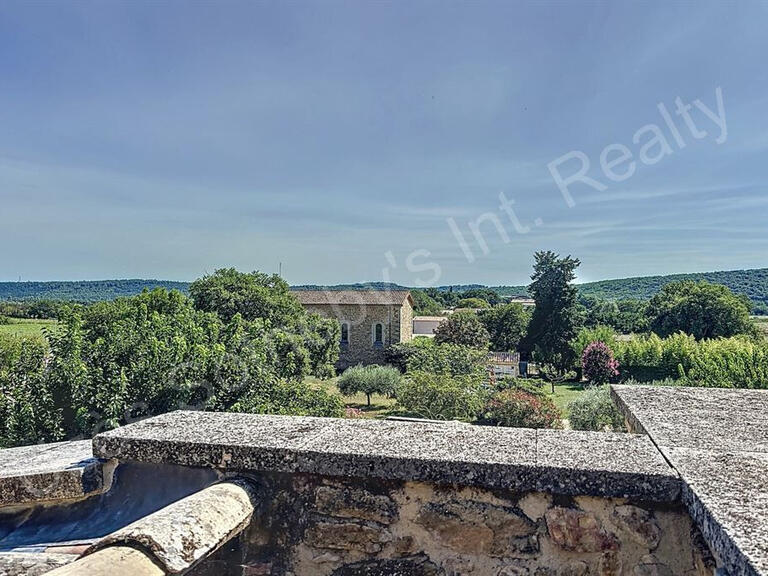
{"x": 336, "y": 497}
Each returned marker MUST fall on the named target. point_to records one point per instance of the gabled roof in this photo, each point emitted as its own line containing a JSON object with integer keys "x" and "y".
{"x": 359, "y": 297}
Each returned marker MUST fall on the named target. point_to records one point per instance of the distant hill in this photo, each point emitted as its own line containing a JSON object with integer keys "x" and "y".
{"x": 752, "y": 283}
{"x": 83, "y": 291}
{"x": 355, "y": 286}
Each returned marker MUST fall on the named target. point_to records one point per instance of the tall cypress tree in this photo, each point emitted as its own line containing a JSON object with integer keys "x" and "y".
{"x": 557, "y": 317}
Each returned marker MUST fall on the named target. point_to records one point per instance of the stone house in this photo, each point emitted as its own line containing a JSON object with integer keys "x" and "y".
{"x": 371, "y": 320}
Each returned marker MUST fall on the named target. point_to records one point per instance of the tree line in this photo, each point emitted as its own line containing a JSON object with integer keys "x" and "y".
{"x": 239, "y": 342}
{"x": 547, "y": 335}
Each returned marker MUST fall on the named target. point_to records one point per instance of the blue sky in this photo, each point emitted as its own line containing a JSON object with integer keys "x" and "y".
{"x": 166, "y": 139}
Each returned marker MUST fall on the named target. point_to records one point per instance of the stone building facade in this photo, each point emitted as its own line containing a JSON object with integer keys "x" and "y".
{"x": 371, "y": 320}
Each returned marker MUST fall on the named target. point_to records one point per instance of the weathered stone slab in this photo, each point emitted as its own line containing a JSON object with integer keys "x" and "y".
{"x": 183, "y": 533}
{"x": 606, "y": 464}
{"x": 35, "y": 564}
{"x": 717, "y": 439}
{"x": 115, "y": 561}
{"x": 727, "y": 496}
{"x": 444, "y": 453}
{"x": 44, "y": 472}
{"x": 715, "y": 419}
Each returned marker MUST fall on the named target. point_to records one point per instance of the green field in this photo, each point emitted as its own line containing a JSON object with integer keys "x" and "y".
{"x": 381, "y": 406}
{"x": 25, "y": 327}
{"x": 564, "y": 394}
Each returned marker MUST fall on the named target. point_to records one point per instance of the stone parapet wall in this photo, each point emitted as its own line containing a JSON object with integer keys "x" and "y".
{"x": 355, "y": 497}
{"x": 335, "y": 497}
{"x": 325, "y": 526}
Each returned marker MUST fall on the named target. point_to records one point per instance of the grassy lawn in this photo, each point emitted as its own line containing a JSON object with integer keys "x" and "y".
{"x": 25, "y": 327}
{"x": 564, "y": 394}
{"x": 381, "y": 406}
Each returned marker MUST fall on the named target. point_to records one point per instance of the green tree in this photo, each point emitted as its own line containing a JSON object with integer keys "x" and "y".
{"x": 299, "y": 340}
{"x": 487, "y": 294}
{"x": 700, "y": 309}
{"x": 507, "y": 325}
{"x": 556, "y": 318}
{"x": 252, "y": 295}
{"x": 463, "y": 328}
{"x": 116, "y": 361}
{"x": 27, "y": 411}
{"x": 449, "y": 360}
{"x": 600, "y": 312}
{"x": 633, "y": 316}
{"x": 473, "y": 303}
{"x": 446, "y": 298}
{"x": 425, "y": 305}
{"x": 400, "y": 354}
{"x": 369, "y": 380}
{"x": 442, "y": 396}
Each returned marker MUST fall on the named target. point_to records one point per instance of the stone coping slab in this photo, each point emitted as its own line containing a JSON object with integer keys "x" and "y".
{"x": 715, "y": 419}
{"x": 45, "y": 472}
{"x": 561, "y": 462}
{"x": 718, "y": 442}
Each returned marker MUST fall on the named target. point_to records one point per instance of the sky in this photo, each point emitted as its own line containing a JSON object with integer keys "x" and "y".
{"x": 372, "y": 141}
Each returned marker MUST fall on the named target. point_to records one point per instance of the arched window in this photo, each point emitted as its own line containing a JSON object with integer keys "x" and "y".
{"x": 378, "y": 334}
{"x": 344, "y": 334}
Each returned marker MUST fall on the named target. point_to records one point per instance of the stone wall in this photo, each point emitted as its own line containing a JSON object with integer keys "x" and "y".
{"x": 406, "y": 322}
{"x": 320, "y": 526}
{"x": 361, "y": 319}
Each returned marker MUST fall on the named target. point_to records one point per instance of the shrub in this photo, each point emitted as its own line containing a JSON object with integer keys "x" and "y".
{"x": 664, "y": 382}
{"x": 292, "y": 399}
{"x": 587, "y": 336}
{"x": 441, "y": 396}
{"x": 400, "y": 354}
{"x": 738, "y": 362}
{"x": 519, "y": 408}
{"x": 533, "y": 385}
{"x": 450, "y": 360}
{"x": 595, "y": 410}
{"x": 598, "y": 364}
{"x": 369, "y": 380}
{"x": 353, "y": 413}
